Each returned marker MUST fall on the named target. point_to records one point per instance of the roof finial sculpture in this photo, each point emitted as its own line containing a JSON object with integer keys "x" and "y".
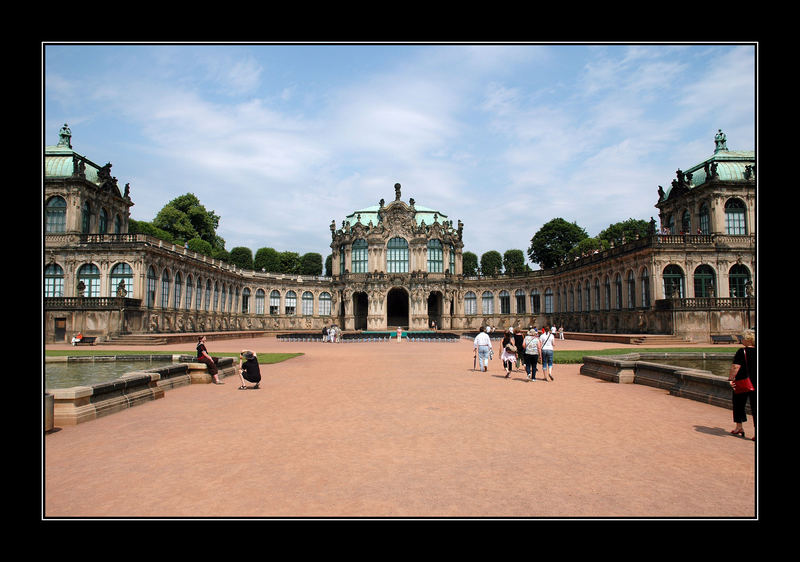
{"x": 720, "y": 141}
{"x": 65, "y": 136}
{"x": 397, "y": 192}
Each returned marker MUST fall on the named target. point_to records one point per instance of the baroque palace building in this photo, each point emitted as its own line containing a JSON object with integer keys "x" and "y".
{"x": 400, "y": 264}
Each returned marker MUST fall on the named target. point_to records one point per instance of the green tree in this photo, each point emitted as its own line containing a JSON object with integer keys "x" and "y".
{"x": 329, "y": 265}
{"x": 267, "y": 259}
{"x": 491, "y": 263}
{"x": 241, "y": 257}
{"x": 625, "y": 230}
{"x": 553, "y": 242}
{"x": 185, "y": 217}
{"x": 290, "y": 262}
{"x": 142, "y": 227}
{"x": 469, "y": 264}
{"x": 311, "y": 264}
{"x": 586, "y": 247}
{"x": 200, "y": 246}
{"x": 514, "y": 261}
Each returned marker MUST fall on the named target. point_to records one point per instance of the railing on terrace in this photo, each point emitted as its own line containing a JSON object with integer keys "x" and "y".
{"x": 706, "y": 303}
{"x": 58, "y": 239}
{"x": 92, "y": 303}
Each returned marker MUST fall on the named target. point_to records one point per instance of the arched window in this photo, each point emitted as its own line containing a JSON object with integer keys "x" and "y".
{"x": 673, "y": 282}
{"x": 165, "y": 289}
{"x": 121, "y": 273}
{"x": 578, "y": 298}
{"x": 596, "y": 294}
{"x": 645, "y": 288}
{"x": 705, "y": 219}
{"x": 56, "y": 216}
{"x": 548, "y": 301}
{"x": 86, "y": 217}
{"x": 452, "y": 260}
{"x": 607, "y": 287}
{"x": 487, "y": 303}
{"x": 325, "y": 304}
{"x": 150, "y": 292}
{"x": 245, "y": 301}
{"x": 735, "y": 222}
{"x": 536, "y": 302}
{"x": 631, "y": 290}
{"x": 435, "y": 256}
{"x": 215, "y": 307}
{"x": 505, "y": 302}
{"x": 260, "y": 299}
{"x": 290, "y": 304}
{"x": 208, "y": 295}
{"x": 618, "y": 291}
{"x": 686, "y": 222}
{"x": 397, "y": 255}
{"x": 189, "y": 288}
{"x": 117, "y": 224}
{"x": 308, "y": 304}
{"x": 359, "y": 257}
{"x": 587, "y": 305}
{"x": 341, "y": 260}
{"x": 102, "y": 223}
{"x": 274, "y": 303}
{"x": 738, "y": 280}
{"x": 519, "y": 294}
{"x": 178, "y": 287}
{"x": 53, "y": 281}
{"x": 198, "y": 297}
{"x": 89, "y": 275}
{"x": 470, "y": 303}
{"x": 704, "y": 283}
{"x": 671, "y": 224}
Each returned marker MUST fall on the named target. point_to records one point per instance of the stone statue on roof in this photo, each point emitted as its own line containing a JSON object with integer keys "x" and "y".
{"x": 720, "y": 141}
{"x": 65, "y": 136}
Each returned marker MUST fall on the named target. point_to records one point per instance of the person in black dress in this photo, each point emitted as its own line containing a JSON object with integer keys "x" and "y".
{"x": 744, "y": 366}
{"x": 248, "y": 369}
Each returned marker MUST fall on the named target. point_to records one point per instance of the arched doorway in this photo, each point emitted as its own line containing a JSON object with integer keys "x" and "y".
{"x": 435, "y": 308}
{"x": 397, "y": 308}
{"x": 360, "y": 310}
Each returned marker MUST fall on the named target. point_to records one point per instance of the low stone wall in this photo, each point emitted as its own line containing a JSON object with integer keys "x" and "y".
{"x": 684, "y": 382}
{"x": 79, "y": 404}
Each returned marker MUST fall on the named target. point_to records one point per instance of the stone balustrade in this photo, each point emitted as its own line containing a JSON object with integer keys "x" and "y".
{"x": 79, "y": 404}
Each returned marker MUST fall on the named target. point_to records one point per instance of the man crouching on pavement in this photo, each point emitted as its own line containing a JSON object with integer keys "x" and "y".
{"x": 248, "y": 369}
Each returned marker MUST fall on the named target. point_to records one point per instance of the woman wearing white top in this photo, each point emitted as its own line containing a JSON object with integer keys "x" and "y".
{"x": 482, "y": 348}
{"x": 546, "y": 340}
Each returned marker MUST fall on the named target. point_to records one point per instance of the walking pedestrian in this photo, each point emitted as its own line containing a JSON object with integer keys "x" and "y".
{"x": 482, "y": 348}
{"x": 509, "y": 354}
{"x": 531, "y": 349}
{"x": 546, "y": 347}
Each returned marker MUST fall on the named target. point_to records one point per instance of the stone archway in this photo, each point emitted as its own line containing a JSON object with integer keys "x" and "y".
{"x": 360, "y": 310}
{"x": 397, "y": 308}
{"x": 435, "y": 306}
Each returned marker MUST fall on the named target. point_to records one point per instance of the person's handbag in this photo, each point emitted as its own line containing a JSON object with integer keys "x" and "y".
{"x": 743, "y": 385}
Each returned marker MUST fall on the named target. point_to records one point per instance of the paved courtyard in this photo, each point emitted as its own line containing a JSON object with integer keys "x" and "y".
{"x": 402, "y": 430}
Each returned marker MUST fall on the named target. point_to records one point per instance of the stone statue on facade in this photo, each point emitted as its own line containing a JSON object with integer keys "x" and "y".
{"x": 121, "y": 292}
{"x": 397, "y": 192}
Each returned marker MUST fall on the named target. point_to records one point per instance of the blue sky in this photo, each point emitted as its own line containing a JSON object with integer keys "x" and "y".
{"x": 281, "y": 139}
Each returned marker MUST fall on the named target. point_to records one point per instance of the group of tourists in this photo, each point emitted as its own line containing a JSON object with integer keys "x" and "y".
{"x": 519, "y": 348}
{"x": 332, "y": 334}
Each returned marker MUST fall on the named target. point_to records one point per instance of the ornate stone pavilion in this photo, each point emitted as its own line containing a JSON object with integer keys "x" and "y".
{"x": 400, "y": 264}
